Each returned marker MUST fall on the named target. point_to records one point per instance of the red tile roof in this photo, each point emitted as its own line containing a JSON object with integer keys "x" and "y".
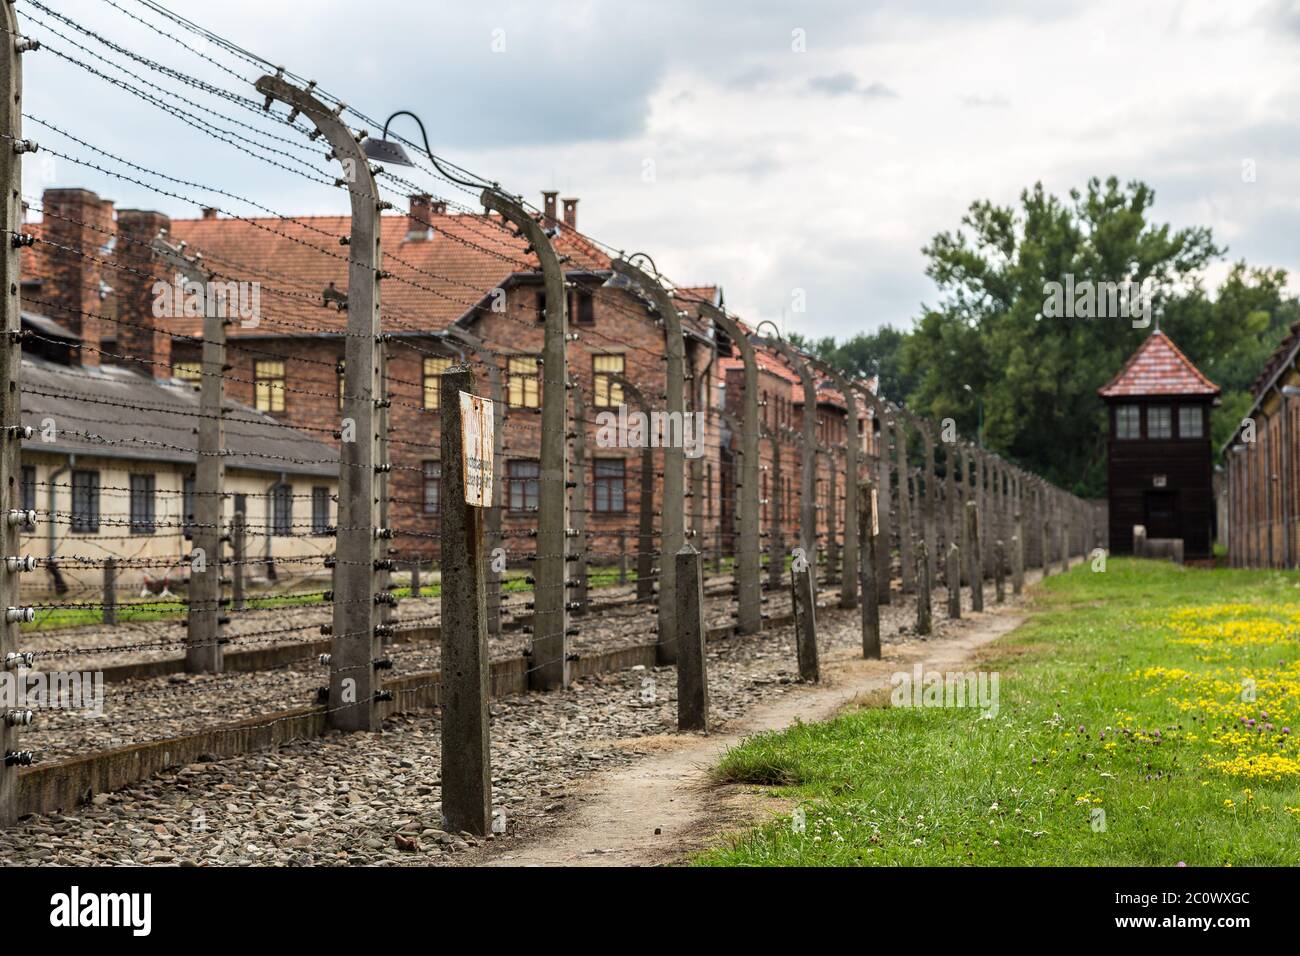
{"x": 434, "y": 280}
{"x": 1158, "y": 367}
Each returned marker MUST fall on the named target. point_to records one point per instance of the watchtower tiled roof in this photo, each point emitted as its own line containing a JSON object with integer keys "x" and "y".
{"x": 1158, "y": 367}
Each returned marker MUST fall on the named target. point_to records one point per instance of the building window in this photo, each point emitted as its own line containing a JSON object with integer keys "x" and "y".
{"x": 320, "y": 510}
{"x": 191, "y": 372}
{"x": 583, "y": 308}
{"x": 433, "y": 369}
{"x": 1128, "y": 422}
{"x": 432, "y": 487}
{"x": 1191, "y": 421}
{"x": 29, "y": 495}
{"x": 608, "y": 484}
{"x": 522, "y": 484}
{"x": 282, "y": 510}
{"x": 602, "y": 366}
{"x": 85, "y": 501}
{"x": 268, "y": 386}
{"x": 188, "y": 495}
{"x": 1160, "y": 422}
{"x": 524, "y": 382}
{"x": 143, "y": 509}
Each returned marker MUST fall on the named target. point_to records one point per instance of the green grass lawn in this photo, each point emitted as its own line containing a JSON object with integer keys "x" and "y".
{"x": 1147, "y": 715}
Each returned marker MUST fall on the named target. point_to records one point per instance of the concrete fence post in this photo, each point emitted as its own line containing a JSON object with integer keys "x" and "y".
{"x": 999, "y": 572}
{"x": 1044, "y": 528}
{"x": 976, "y": 556}
{"x": 867, "y": 528}
{"x": 11, "y": 107}
{"x": 581, "y": 502}
{"x": 804, "y": 603}
{"x": 622, "y": 556}
{"x": 807, "y": 454}
{"x": 745, "y": 502}
{"x": 884, "y": 506}
{"x": 832, "y": 522}
{"x": 239, "y": 557}
{"x": 849, "y": 557}
{"x": 923, "y": 589}
{"x": 1018, "y": 556}
{"x": 415, "y": 582}
{"x": 905, "y": 531}
{"x": 1065, "y": 537}
{"x": 356, "y": 638}
{"x": 463, "y": 694}
{"x": 673, "y": 523}
{"x": 203, "y": 650}
{"x": 109, "y": 613}
{"x": 953, "y": 575}
{"x": 776, "y": 528}
{"x": 549, "y": 669}
{"x": 692, "y": 676}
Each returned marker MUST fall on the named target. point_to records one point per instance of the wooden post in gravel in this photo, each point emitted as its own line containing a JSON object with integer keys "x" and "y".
{"x": 953, "y": 572}
{"x": 999, "y": 581}
{"x": 976, "y": 561}
{"x": 466, "y": 770}
{"x": 692, "y": 676}
{"x": 867, "y": 531}
{"x": 923, "y": 587}
{"x": 110, "y": 591}
{"x": 1018, "y": 556}
{"x": 804, "y": 603}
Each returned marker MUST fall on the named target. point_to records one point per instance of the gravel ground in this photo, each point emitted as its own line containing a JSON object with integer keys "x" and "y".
{"x": 168, "y": 706}
{"x": 98, "y": 646}
{"x": 362, "y": 799}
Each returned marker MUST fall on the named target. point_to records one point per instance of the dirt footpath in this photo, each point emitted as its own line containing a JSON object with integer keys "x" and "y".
{"x": 660, "y": 809}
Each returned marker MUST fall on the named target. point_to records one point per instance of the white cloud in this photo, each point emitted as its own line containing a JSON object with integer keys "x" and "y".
{"x": 825, "y": 170}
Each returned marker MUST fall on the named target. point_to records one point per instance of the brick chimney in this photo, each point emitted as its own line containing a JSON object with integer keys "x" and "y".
{"x": 209, "y": 212}
{"x": 548, "y": 208}
{"x": 571, "y": 213}
{"x": 418, "y": 228}
{"x": 140, "y": 334}
{"x": 75, "y": 219}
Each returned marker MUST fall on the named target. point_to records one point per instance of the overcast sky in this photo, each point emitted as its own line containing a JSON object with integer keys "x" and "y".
{"x": 765, "y": 146}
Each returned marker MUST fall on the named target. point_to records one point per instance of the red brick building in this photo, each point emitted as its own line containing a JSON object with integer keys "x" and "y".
{"x": 447, "y": 268}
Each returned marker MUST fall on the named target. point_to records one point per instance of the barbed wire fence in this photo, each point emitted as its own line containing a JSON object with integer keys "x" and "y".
{"x": 176, "y": 572}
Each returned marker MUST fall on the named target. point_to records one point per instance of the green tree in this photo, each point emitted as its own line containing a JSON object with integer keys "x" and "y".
{"x": 1038, "y": 375}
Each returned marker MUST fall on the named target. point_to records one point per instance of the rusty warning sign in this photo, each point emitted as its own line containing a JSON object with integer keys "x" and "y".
{"x": 476, "y": 436}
